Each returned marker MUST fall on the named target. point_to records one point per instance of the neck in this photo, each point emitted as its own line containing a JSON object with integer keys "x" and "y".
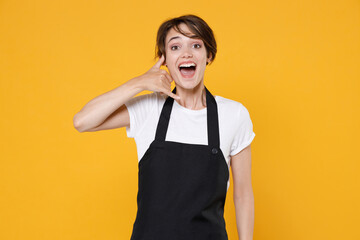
{"x": 194, "y": 99}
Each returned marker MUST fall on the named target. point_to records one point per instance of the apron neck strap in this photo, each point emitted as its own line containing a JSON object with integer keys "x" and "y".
{"x": 212, "y": 119}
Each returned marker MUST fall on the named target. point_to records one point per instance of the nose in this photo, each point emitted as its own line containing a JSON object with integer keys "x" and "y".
{"x": 187, "y": 53}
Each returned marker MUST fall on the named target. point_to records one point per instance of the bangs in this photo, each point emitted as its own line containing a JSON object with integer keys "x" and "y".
{"x": 194, "y": 32}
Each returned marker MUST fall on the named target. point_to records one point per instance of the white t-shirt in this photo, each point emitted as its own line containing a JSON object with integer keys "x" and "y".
{"x": 189, "y": 126}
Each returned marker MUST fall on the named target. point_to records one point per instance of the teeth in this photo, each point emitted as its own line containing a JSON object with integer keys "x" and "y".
{"x": 187, "y": 65}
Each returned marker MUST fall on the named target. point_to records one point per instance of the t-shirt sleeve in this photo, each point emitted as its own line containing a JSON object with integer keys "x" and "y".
{"x": 139, "y": 108}
{"x": 244, "y": 134}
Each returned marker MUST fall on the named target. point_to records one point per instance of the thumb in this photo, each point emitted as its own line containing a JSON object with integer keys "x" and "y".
{"x": 159, "y": 62}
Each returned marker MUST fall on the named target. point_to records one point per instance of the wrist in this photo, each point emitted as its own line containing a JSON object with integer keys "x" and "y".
{"x": 137, "y": 84}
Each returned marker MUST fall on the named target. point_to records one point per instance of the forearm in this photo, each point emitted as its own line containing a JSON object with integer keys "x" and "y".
{"x": 244, "y": 209}
{"x": 102, "y": 106}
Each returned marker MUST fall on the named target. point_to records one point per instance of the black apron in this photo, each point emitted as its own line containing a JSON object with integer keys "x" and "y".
{"x": 182, "y": 187}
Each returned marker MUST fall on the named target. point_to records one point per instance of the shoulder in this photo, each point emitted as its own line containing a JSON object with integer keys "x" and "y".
{"x": 146, "y": 99}
{"x": 153, "y": 96}
{"x": 229, "y": 106}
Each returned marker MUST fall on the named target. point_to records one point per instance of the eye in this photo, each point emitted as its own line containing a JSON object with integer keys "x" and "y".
{"x": 172, "y": 47}
{"x": 196, "y": 44}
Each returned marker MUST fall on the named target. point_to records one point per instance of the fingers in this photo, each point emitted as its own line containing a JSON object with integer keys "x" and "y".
{"x": 159, "y": 62}
{"x": 167, "y": 75}
{"x": 166, "y": 88}
{"x": 169, "y": 78}
{"x": 171, "y": 94}
{"x": 168, "y": 84}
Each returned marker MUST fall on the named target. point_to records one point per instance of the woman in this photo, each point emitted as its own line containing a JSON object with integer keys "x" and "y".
{"x": 186, "y": 139}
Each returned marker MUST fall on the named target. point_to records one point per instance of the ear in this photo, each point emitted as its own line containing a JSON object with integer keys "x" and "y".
{"x": 164, "y": 63}
{"x": 209, "y": 58}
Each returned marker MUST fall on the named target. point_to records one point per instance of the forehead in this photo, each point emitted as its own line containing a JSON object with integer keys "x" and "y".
{"x": 173, "y": 33}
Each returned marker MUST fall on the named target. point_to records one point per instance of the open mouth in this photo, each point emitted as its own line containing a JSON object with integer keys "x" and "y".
{"x": 187, "y": 71}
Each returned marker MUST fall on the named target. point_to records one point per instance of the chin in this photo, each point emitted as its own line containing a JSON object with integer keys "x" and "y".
{"x": 190, "y": 84}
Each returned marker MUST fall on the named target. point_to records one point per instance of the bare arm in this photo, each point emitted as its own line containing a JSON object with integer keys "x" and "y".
{"x": 243, "y": 193}
{"x": 95, "y": 112}
{"x": 108, "y": 111}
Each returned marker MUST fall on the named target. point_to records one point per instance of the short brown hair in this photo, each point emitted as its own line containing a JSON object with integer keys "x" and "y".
{"x": 197, "y": 26}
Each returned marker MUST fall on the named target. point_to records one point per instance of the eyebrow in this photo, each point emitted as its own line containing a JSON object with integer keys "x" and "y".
{"x": 173, "y": 38}
{"x": 177, "y": 37}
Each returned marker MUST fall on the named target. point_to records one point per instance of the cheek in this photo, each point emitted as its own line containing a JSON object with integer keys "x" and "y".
{"x": 169, "y": 59}
{"x": 172, "y": 69}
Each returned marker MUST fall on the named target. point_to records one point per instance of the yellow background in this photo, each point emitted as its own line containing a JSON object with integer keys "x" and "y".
{"x": 293, "y": 64}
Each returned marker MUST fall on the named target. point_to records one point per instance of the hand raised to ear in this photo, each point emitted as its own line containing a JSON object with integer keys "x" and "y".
{"x": 158, "y": 80}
